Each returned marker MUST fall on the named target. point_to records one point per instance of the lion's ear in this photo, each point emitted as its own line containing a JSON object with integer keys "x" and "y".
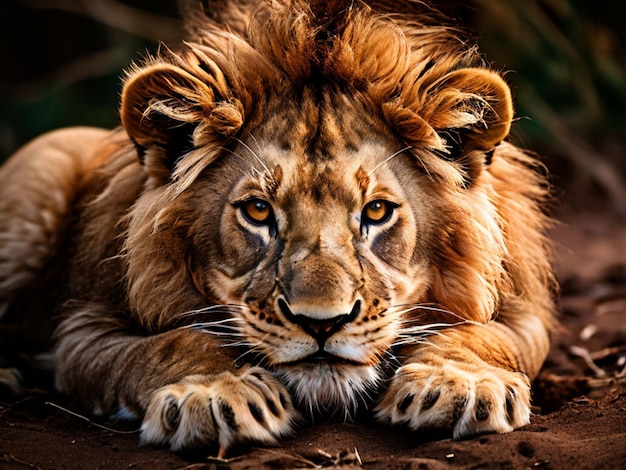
{"x": 470, "y": 109}
{"x": 168, "y": 111}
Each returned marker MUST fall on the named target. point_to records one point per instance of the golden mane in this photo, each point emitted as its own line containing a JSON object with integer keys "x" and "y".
{"x": 405, "y": 65}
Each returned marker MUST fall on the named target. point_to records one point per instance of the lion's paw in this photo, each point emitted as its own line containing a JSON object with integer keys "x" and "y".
{"x": 464, "y": 398}
{"x": 224, "y": 409}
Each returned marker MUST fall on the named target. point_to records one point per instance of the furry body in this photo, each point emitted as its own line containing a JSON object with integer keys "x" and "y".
{"x": 308, "y": 208}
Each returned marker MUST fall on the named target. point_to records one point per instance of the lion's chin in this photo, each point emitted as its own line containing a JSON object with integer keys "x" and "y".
{"x": 330, "y": 387}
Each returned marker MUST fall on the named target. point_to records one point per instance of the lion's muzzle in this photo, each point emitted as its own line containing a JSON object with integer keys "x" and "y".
{"x": 319, "y": 329}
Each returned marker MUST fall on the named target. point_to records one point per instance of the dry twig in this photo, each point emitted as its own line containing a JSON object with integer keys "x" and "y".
{"x": 84, "y": 418}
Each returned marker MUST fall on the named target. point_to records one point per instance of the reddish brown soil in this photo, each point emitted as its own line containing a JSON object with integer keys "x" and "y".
{"x": 580, "y": 419}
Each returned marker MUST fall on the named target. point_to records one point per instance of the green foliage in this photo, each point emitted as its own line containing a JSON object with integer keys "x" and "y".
{"x": 569, "y": 80}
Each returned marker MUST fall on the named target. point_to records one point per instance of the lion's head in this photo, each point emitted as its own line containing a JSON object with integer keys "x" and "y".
{"x": 320, "y": 189}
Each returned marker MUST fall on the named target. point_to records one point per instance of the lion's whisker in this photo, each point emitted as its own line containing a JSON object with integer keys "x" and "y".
{"x": 239, "y": 344}
{"x": 257, "y": 158}
{"x": 428, "y": 328}
{"x": 207, "y": 328}
{"x": 424, "y": 306}
{"x": 254, "y": 139}
{"x": 423, "y": 341}
{"x": 235, "y": 154}
{"x": 252, "y": 350}
{"x": 219, "y": 308}
{"x": 233, "y": 319}
{"x": 392, "y": 156}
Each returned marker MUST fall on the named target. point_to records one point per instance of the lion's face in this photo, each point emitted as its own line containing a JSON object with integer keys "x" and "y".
{"x": 324, "y": 192}
{"x": 319, "y": 230}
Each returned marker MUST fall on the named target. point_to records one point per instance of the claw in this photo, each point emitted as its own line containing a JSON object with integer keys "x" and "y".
{"x": 172, "y": 414}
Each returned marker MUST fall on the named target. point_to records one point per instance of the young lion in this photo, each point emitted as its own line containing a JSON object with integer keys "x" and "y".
{"x": 309, "y": 207}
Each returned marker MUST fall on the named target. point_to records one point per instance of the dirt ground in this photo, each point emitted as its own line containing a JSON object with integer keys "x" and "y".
{"x": 580, "y": 398}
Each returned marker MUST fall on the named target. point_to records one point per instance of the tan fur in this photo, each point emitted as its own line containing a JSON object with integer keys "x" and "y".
{"x": 177, "y": 307}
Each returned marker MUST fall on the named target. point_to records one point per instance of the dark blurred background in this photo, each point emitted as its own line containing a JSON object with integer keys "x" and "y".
{"x": 62, "y": 60}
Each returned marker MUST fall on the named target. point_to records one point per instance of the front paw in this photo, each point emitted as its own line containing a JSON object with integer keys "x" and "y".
{"x": 224, "y": 409}
{"x": 465, "y": 398}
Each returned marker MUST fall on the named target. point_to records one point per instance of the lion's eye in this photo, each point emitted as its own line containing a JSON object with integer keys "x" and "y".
{"x": 257, "y": 211}
{"x": 378, "y": 212}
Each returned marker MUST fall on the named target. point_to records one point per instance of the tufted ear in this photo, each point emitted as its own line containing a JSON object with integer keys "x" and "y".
{"x": 167, "y": 111}
{"x": 461, "y": 116}
{"x": 470, "y": 109}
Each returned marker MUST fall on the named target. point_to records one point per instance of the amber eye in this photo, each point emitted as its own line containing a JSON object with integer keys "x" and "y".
{"x": 257, "y": 211}
{"x": 378, "y": 212}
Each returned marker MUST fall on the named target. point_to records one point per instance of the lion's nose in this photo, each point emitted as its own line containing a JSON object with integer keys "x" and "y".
{"x": 323, "y": 329}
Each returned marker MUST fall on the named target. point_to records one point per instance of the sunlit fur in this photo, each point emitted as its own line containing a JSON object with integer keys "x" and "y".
{"x": 437, "y": 315}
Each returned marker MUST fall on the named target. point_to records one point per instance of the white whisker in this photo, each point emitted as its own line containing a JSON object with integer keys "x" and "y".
{"x": 219, "y": 308}
{"x": 388, "y": 159}
{"x": 235, "y": 332}
{"x": 252, "y": 350}
{"x": 258, "y": 159}
{"x": 432, "y": 308}
{"x": 255, "y": 141}
{"x": 429, "y": 328}
{"x": 229, "y": 330}
{"x": 224, "y": 323}
{"x": 415, "y": 329}
{"x": 239, "y": 344}
{"x": 424, "y": 166}
{"x": 417, "y": 340}
{"x": 235, "y": 154}
{"x": 427, "y": 308}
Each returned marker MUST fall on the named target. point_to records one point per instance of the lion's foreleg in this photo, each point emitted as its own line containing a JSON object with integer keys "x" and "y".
{"x": 470, "y": 379}
{"x": 182, "y": 384}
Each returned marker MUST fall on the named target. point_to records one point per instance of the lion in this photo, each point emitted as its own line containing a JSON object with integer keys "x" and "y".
{"x": 309, "y": 208}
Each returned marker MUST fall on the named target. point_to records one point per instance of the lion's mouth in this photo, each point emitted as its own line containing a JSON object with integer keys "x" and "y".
{"x": 322, "y": 357}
